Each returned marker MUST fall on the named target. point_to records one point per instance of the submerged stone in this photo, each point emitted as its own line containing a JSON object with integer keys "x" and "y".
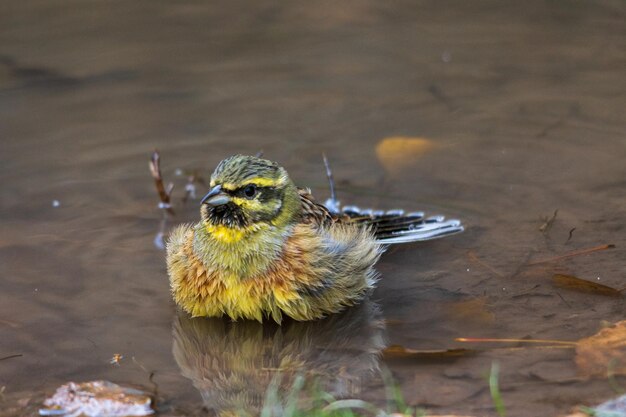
{"x": 96, "y": 399}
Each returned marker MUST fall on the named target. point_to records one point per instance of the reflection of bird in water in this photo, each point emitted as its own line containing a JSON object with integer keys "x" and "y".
{"x": 233, "y": 363}
{"x": 265, "y": 248}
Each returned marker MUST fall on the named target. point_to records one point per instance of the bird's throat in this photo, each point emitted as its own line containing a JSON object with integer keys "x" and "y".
{"x": 239, "y": 252}
{"x": 226, "y": 235}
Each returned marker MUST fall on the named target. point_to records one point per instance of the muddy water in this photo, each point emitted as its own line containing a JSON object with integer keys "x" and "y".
{"x": 525, "y": 102}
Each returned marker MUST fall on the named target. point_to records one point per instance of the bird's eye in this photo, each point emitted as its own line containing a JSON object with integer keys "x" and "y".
{"x": 250, "y": 191}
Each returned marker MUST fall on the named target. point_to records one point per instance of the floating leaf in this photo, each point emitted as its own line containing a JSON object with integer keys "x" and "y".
{"x": 574, "y": 283}
{"x": 398, "y": 152}
{"x": 604, "y": 353}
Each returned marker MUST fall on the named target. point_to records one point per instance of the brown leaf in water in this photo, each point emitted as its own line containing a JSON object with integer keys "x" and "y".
{"x": 574, "y": 283}
{"x": 474, "y": 310}
{"x": 603, "y": 353}
{"x": 398, "y": 152}
{"x": 400, "y": 352}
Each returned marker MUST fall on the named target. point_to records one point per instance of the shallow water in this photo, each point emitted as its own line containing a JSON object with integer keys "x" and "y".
{"x": 524, "y": 102}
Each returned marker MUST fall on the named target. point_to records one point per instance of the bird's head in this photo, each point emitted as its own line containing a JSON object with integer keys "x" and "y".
{"x": 248, "y": 192}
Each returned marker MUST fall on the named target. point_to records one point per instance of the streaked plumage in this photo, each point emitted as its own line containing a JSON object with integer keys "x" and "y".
{"x": 264, "y": 248}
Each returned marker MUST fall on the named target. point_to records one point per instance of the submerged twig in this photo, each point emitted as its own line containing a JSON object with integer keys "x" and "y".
{"x": 571, "y": 232}
{"x": 563, "y": 299}
{"x": 18, "y": 355}
{"x": 472, "y": 256}
{"x": 164, "y": 192}
{"x": 332, "y": 204}
{"x": 159, "y": 239}
{"x": 151, "y": 374}
{"x": 331, "y": 180}
{"x": 532, "y": 341}
{"x": 522, "y": 264}
{"x": 572, "y": 254}
{"x": 9, "y": 323}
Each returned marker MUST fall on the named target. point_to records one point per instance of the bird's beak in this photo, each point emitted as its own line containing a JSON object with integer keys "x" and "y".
{"x": 216, "y": 197}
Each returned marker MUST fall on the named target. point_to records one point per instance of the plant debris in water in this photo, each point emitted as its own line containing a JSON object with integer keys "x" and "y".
{"x": 578, "y": 284}
{"x": 548, "y": 222}
{"x": 96, "y": 399}
{"x": 572, "y": 254}
{"x": 401, "y": 352}
{"x": 604, "y": 353}
{"x": 164, "y": 192}
{"x": 399, "y": 152}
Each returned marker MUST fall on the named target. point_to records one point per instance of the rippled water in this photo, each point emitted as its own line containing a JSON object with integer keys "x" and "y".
{"x": 524, "y": 102}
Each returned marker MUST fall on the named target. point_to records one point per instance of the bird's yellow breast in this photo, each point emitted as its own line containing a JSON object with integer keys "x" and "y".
{"x": 302, "y": 281}
{"x": 204, "y": 292}
{"x": 226, "y": 234}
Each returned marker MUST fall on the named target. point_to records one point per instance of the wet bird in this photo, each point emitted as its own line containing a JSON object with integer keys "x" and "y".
{"x": 265, "y": 248}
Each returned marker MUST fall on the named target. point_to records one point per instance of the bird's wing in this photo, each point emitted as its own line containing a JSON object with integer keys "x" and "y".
{"x": 396, "y": 226}
{"x": 389, "y": 227}
{"x": 314, "y": 212}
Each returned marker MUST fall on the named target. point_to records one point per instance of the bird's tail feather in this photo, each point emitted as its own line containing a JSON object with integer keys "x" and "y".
{"x": 394, "y": 226}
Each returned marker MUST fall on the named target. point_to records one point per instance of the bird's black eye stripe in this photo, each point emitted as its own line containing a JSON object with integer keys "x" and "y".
{"x": 250, "y": 191}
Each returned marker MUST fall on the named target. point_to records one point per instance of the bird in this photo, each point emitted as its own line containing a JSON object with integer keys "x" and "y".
{"x": 265, "y": 248}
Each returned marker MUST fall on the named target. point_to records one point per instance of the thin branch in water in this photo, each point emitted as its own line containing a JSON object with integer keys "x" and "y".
{"x": 9, "y": 323}
{"x": 532, "y": 341}
{"x": 159, "y": 239}
{"x": 522, "y": 265}
{"x": 551, "y": 126}
{"x": 156, "y": 386}
{"x": 164, "y": 193}
{"x": 571, "y": 232}
{"x": 563, "y": 299}
{"x": 151, "y": 375}
{"x": 475, "y": 258}
{"x": 331, "y": 180}
{"x": 572, "y": 254}
{"x": 19, "y": 355}
{"x": 529, "y": 291}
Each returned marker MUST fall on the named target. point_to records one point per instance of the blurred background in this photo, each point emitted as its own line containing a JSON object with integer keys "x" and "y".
{"x": 495, "y": 113}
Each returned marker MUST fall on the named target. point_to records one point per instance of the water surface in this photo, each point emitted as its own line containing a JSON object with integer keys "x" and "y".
{"x": 524, "y": 101}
